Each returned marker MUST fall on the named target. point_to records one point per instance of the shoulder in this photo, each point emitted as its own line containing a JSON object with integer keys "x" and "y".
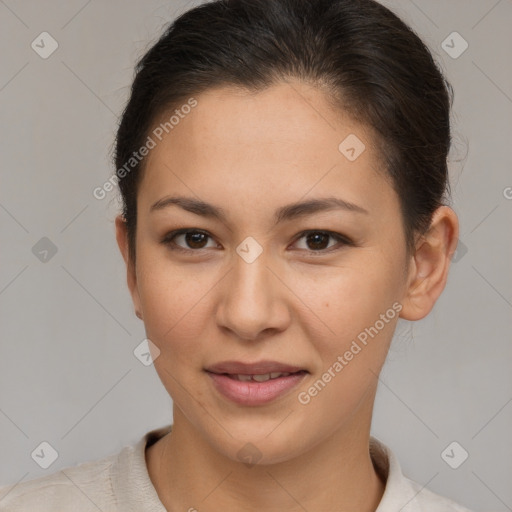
{"x": 400, "y": 492}
{"x": 116, "y": 483}
{"x": 426, "y": 500}
{"x": 81, "y": 488}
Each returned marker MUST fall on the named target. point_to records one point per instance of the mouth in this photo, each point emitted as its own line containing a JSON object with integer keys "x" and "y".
{"x": 256, "y": 368}
{"x": 252, "y": 384}
{"x": 263, "y": 377}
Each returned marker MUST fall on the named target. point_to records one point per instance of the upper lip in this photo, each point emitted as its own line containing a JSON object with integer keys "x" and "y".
{"x": 256, "y": 368}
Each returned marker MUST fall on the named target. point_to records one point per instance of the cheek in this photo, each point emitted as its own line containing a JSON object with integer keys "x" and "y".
{"x": 174, "y": 303}
{"x": 344, "y": 301}
{"x": 175, "y": 319}
{"x": 359, "y": 313}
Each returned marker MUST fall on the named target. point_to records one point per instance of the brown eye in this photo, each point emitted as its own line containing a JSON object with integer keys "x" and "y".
{"x": 191, "y": 240}
{"x": 195, "y": 240}
{"x": 318, "y": 241}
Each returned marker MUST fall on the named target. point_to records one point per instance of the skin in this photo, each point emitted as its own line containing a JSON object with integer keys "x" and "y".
{"x": 251, "y": 154}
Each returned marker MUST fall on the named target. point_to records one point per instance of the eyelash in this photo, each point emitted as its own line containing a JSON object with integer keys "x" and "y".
{"x": 169, "y": 240}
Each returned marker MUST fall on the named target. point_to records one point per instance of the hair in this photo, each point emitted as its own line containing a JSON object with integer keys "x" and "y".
{"x": 368, "y": 61}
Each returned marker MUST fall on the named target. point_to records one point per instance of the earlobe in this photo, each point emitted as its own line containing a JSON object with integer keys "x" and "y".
{"x": 430, "y": 264}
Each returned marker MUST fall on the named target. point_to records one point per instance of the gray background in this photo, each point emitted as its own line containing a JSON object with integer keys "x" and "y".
{"x": 68, "y": 374}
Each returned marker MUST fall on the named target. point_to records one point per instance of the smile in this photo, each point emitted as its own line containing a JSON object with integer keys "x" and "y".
{"x": 255, "y": 389}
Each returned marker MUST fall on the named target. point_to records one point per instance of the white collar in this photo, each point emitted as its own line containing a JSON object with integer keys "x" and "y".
{"x": 135, "y": 492}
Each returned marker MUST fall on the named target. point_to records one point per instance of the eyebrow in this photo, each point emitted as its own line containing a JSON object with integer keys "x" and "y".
{"x": 282, "y": 214}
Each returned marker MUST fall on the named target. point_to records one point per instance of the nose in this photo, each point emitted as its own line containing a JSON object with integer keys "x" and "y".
{"x": 253, "y": 300}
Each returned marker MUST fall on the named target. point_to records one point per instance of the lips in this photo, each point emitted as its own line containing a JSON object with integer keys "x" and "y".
{"x": 252, "y": 384}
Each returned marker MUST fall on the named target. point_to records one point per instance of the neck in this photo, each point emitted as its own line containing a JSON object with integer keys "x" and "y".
{"x": 337, "y": 474}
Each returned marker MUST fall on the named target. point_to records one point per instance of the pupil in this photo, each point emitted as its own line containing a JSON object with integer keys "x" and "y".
{"x": 316, "y": 237}
{"x": 192, "y": 239}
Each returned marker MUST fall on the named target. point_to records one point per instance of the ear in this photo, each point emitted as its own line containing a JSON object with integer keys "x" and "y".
{"x": 430, "y": 264}
{"x": 122, "y": 242}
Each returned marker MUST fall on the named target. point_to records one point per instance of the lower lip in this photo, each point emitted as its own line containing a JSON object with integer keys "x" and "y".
{"x": 252, "y": 392}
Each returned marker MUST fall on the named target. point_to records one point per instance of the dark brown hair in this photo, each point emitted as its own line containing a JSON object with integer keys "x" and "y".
{"x": 374, "y": 66}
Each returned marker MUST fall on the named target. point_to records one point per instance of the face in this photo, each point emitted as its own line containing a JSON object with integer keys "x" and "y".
{"x": 315, "y": 288}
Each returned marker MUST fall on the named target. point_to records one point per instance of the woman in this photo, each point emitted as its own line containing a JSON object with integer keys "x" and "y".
{"x": 282, "y": 166}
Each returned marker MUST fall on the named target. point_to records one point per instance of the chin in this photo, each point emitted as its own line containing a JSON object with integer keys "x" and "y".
{"x": 260, "y": 444}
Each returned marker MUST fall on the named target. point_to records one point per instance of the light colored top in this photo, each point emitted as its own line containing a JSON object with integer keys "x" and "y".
{"x": 121, "y": 483}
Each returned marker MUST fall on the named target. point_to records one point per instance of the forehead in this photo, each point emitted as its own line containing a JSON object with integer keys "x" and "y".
{"x": 274, "y": 146}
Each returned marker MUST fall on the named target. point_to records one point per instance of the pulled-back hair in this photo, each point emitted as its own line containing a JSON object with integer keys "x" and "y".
{"x": 369, "y": 63}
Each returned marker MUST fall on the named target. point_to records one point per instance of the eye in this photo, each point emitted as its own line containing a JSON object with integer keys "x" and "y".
{"x": 194, "y": 238}
{"x": 316, "y": 240}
